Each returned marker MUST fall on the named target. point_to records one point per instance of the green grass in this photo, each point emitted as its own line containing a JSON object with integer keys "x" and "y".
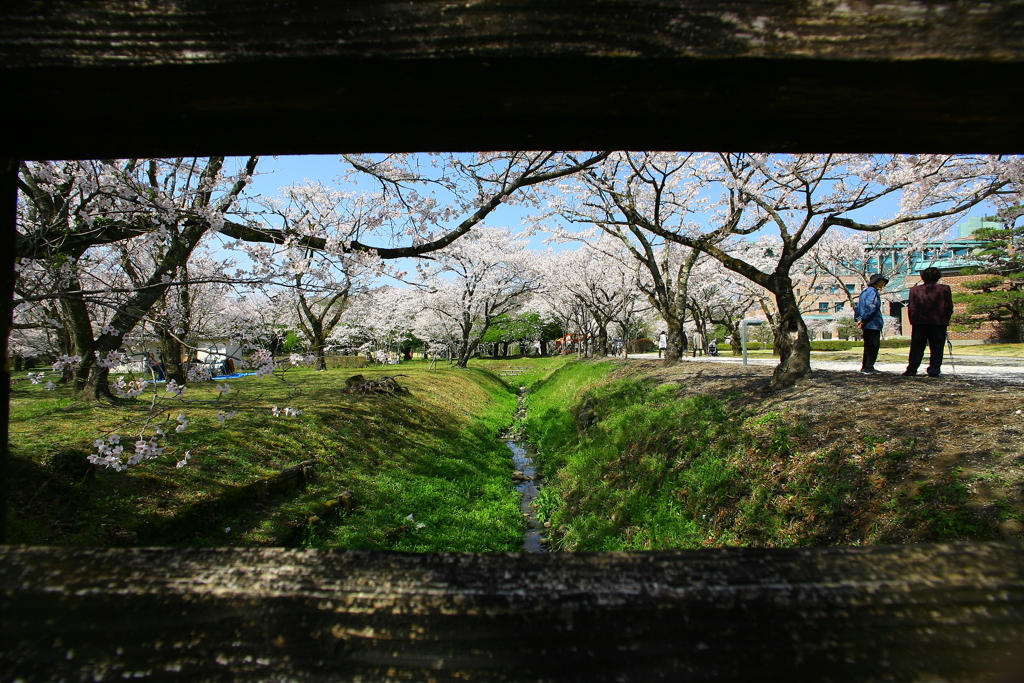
{"x": 630, "y": 461}
{"x": 433, "y": 454}
{"x": 633, "y": 464}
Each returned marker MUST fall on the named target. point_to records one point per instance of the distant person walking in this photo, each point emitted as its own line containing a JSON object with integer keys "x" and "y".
{"x": 662, "y": 343}
{"x": 931, "y": 306}
{"x": 156, "y": 367}
{"x": 868, "y": 314}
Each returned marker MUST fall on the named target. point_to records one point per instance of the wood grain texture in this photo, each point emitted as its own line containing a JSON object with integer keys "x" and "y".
{"x": 231, "y": 77}
{"x": 143, "y": 32}
{"x": 942, "y": 612}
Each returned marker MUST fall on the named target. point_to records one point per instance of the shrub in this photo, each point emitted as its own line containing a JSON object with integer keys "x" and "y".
{"x": 831, "y": 345}
{"x": 345, "y": 362}
{"x": 641, "y": 346}
{"x": 752, "y": 345}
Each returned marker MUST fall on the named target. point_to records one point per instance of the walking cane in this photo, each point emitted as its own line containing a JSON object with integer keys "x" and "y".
{"x": 949, "y": 343}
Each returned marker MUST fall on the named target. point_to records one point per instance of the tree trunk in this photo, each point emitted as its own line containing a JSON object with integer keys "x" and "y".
{"x": 465, "y": 352}
{"x": 676, "y": 342}
{"x": 76, "y": 317}
{"x": 170, "y": 349}
{"x": 97, "y": 387}
{"x": 466, "y": 347}
{"x": 319, "y": 347}
{"x": 791, "y": 340}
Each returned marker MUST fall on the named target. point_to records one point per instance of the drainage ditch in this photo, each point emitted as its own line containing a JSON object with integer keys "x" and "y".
{"x": 527, "y": 482}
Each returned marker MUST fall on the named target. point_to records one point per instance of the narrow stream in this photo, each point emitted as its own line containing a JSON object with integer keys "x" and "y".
{"x": 528, "y": 485}
{"x": 527, "y": 482}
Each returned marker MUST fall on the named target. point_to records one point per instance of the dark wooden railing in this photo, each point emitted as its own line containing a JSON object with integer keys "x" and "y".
{"x": 168, "y": 78}
{"x": 945, "y": 612}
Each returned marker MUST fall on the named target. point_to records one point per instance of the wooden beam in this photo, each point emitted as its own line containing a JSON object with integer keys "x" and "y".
{"x": 939, "y": 612}
{"x": 8, "y": 226}
{"x": 139, "y": 78}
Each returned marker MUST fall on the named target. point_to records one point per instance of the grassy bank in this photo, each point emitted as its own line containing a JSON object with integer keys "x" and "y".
{"x": 432, "y": 454}
{"x": 635, "y": 460}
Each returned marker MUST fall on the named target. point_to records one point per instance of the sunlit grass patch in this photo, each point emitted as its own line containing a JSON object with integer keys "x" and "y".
{"x": 636, "y": 463}
{"x": 433, "y": 452}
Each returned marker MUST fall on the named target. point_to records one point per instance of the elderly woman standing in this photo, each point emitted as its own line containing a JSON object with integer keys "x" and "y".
{"x": 868, "y": 315}
{"x": 930, "y": 308}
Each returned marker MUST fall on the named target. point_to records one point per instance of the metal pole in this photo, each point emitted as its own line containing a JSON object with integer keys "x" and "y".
{"x": 743, "y": 340}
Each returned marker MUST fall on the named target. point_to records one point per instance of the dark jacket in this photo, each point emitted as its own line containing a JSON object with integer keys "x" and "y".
{"x": 930, "y": 304}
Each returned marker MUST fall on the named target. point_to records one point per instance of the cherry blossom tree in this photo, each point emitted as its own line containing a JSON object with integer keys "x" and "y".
{"x": 802, "y": 197}
{"x": 117, "y": 235}
{"x": 596, "y": 285}
{"x": 486, "y": 274}
{"x": 429, "y": 201}
{"x": 623, "y": 196}
{"x": 379, "y": 320}
{"x": 320, "y": 281}
{"x": 717, "y": 296}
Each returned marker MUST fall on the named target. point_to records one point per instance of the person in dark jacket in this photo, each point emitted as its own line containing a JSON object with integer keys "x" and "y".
{"x": 868, "y": 314}
{"x": 930, "y": 308}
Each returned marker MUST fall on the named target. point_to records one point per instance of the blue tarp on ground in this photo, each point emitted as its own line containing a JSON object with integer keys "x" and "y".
{"x": 233, "y": 376}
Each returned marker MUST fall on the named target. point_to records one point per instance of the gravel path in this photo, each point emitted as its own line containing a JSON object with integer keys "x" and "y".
{"x": 988, "y": 368}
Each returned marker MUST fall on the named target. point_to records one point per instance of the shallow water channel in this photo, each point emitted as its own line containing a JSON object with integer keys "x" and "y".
{"x": 527, "y": 481}
{"x": 528, "y": 485}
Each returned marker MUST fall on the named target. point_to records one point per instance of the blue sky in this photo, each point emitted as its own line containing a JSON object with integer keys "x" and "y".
{"x": 282, "y": 171}
{"x": 276, "y": 172}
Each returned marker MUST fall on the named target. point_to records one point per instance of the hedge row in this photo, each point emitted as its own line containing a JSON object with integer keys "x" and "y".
{"x": 837, "y": 344}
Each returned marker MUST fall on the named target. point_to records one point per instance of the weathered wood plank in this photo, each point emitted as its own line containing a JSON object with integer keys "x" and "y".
{"x": 943, "y": 612}
{"x": 8, "y": 223}
{"x": 226, "y": 76}
{"x": 124, "y": 33}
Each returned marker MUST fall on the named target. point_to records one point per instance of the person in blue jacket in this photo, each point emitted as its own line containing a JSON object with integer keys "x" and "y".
{"x": 868, "y": 314}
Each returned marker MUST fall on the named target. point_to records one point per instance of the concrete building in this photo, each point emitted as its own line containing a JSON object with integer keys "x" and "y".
{"x": 826, "y": 302}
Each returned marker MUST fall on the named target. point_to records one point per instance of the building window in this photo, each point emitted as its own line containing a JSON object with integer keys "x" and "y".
{"x": 849, "y": 288}
{"x": 823, "y": 307}
{"x": 820, "y": 289}
{"x": 840, "y": 305}
{"x": 826, "y": 335}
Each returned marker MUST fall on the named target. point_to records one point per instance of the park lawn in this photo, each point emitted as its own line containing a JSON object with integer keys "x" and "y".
{"x": 432, "y": 454}
{"x": 900, "y": 355}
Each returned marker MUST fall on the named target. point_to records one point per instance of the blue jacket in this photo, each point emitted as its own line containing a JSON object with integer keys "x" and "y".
{"x": 869, "y": 309}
